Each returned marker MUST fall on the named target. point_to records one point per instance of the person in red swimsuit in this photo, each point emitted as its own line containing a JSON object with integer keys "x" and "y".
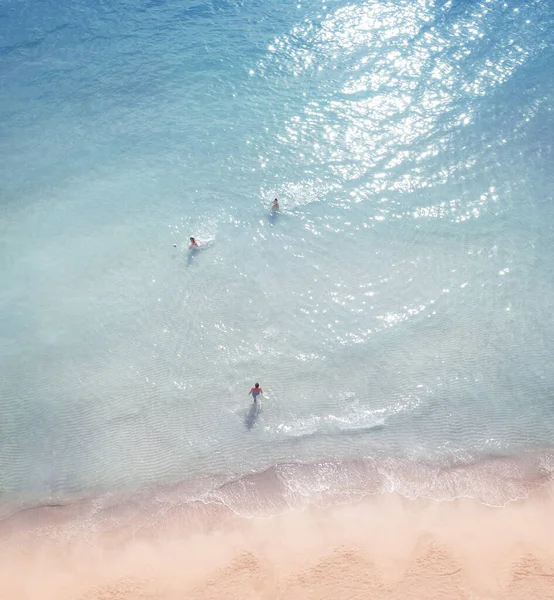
{"x": 256, "y": 391}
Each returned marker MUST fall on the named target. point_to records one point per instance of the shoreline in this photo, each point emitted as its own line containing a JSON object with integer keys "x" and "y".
{"x": 386, "y": 546}
{"x": 491, "y": 479}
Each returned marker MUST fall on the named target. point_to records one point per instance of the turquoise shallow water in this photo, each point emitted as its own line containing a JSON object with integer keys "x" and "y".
{"x": 397, "y": 311}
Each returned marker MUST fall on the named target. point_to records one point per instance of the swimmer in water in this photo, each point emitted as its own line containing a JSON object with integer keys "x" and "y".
{"x": 275, "y": 205}
{"x": 256, "y": 391}
{"x": 193, "y": 243}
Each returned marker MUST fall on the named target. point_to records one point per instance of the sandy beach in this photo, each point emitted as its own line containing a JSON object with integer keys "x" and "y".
{"x": 384, "y": 547}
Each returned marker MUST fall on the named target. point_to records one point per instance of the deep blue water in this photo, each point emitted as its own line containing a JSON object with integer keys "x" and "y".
{"x": 397, "y": 309}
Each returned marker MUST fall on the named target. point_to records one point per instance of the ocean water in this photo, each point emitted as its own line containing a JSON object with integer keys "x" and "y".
{"x": 397, "y": 311}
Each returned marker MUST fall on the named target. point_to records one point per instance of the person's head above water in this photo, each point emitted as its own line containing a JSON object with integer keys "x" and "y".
{"x": 192, "y": 239}
{"x": 256, "y": 385}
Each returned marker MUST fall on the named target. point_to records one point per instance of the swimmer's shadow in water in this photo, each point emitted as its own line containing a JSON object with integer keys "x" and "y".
{"x": 191, "y": 255}
{"x": 274, "y": 216}
{"x": 252, "y": 416}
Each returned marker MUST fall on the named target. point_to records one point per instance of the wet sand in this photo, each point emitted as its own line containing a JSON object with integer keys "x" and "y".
{"x": 384, "y": 547}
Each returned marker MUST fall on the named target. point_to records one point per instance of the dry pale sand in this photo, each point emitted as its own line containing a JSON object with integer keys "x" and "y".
{"x": 385, "y": 547}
